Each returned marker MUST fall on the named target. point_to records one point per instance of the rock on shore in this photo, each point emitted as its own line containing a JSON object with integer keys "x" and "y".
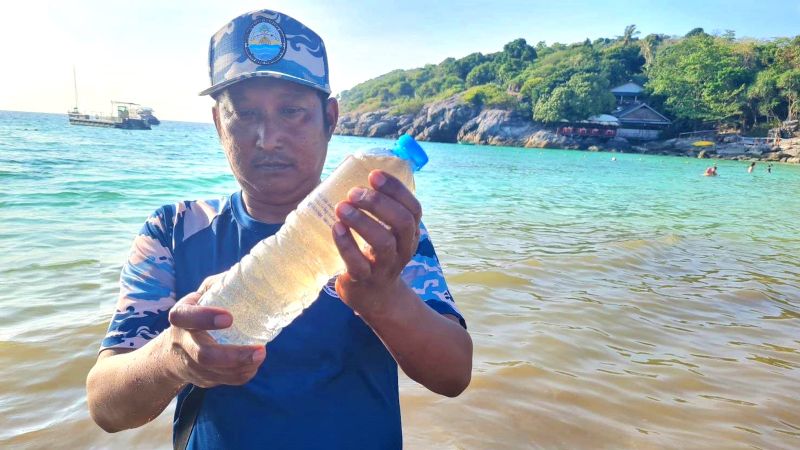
{"x": 454, "y": 120}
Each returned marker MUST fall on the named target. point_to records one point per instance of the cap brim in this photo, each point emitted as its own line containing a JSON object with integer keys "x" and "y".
{"x": 263, "y": 73}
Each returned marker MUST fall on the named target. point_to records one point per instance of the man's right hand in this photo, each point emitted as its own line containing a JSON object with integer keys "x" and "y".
{"x": 198, "y": 358}
{"x": 127, "y": 388}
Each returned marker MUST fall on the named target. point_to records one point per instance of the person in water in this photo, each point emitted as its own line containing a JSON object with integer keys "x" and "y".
{"x": 751, "y": 167}
{"x": 330, "y": 378}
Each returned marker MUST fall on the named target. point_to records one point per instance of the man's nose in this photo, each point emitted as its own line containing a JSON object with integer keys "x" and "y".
{"x": 268, "y": 136}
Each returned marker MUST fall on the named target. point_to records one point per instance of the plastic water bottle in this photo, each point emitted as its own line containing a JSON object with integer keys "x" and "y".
{"x": 283, "y": 274}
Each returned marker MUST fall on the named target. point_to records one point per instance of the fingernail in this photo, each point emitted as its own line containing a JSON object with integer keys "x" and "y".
{"x": 339, "y": 229}
{"x": 222, "y": 321}
{"x": 357, "y": 194}
{"x": 258, "y": 355}
{"x": 347, "y": 210}
{"x": 379, "y": 179}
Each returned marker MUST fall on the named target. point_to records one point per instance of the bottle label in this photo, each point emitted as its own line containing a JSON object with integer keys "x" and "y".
{"x": 322, "y": 207}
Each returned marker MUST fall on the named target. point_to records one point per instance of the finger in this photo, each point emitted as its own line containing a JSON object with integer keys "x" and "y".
{"x": 229, "y": 378}
{"x": 387, "y": 210}
{"x": 244, "y": 377}
{"x": 382, "y": 241}
{"x": 190, "y": 299}
{"x": 187, "y": 314}
{"x": 358, "y": 266}
{"x": 214, "y": 376}
{"x": 384, "y": 182}
{"x": 239, "y": 357}
{"x": 209, "y": 281}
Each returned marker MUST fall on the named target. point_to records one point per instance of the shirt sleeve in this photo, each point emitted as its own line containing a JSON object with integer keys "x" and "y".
{"x": 146, "y": 285}
{"x": 424, "y": 275}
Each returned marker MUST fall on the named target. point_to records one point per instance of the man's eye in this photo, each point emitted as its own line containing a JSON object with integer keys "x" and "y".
{"x": 246, "y": 114}
{"x": 292, "y": 110}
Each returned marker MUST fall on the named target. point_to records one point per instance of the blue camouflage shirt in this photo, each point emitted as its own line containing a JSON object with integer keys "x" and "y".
{"x": 327, "y": 382}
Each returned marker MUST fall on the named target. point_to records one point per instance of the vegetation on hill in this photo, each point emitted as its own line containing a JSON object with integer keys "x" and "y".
{"x": 698, "y": 79}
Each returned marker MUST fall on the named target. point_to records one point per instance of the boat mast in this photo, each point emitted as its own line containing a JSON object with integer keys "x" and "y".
{"x": 75, "y": 84}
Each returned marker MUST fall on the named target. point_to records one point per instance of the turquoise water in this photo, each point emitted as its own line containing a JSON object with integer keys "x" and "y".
{"x": 614, "y": 304}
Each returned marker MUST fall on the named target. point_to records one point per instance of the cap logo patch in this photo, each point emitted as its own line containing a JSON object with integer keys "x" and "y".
{"x": 265, "y": 42}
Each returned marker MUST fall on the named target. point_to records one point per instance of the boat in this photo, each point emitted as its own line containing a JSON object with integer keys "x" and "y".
{"x": 124, "y": 115}
{"x": 146, "y": 113}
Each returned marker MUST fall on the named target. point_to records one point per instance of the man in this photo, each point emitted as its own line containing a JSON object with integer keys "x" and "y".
{"x": 329, "y": 380}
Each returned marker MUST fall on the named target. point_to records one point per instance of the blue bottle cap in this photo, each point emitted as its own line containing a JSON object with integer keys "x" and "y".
{"x": 407, "y": 148}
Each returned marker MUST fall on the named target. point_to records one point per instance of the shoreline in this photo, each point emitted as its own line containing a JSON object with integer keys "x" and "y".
{"x": 454, "y": 121}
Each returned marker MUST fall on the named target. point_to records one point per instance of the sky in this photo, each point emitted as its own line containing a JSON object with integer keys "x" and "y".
{"x": 155, "y": 52}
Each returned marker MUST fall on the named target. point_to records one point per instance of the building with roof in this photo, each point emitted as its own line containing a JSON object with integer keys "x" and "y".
{"x": 637, "y": 119}
{"x": 627, "y": 93}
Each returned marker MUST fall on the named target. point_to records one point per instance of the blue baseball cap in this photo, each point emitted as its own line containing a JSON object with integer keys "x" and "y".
{"x": 267, "y": 44}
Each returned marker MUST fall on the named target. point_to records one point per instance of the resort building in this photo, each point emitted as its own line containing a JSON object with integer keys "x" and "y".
{"x": 637, "y": 119}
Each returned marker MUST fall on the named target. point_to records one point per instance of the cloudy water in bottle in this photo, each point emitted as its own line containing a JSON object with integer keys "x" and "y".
{"x": 283, "y": 274}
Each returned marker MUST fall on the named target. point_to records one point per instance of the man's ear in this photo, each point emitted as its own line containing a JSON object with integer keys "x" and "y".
{"x": 215, "y": 115}
{"x": 332, "y": 113}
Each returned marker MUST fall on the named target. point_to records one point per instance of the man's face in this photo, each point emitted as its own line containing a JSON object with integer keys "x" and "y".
{"x": 274, "y": 135}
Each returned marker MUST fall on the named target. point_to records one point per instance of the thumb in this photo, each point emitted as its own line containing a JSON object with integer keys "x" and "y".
{"x": 189, "y": 315}
{"x": 191, "y": 299}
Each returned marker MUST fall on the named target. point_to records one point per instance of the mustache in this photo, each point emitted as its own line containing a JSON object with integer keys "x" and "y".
{"x": 259, "y": 161}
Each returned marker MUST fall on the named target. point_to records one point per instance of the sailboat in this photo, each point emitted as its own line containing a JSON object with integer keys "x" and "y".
{"x": 124, "y": 115}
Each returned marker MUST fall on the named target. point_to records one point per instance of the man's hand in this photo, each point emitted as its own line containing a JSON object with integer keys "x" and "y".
{"x": 127, "y": 388}
{"x": 199, "y": 359}
{"x": 431, "y": 348}
{"x": 373, "y": 276}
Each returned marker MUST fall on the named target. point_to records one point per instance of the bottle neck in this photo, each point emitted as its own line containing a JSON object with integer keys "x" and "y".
{"x": 386, "y": 153}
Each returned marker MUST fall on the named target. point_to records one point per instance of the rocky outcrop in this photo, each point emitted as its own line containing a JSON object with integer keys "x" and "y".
{"x": 371, "y": 124}
{"x": 548, "y": 139}
{"x": 790, "y": 147}
{"x": 441, "y": 121}
{"x": 497, "y": 127}
{"x": 725, "y": 150}
{"x": 453, "y": 120}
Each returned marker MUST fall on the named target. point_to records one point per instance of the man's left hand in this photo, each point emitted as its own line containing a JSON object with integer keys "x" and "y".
{"x": 392, "y": 235}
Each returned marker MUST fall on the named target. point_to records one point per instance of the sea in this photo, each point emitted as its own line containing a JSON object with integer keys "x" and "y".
{"x": 615, "y": 301}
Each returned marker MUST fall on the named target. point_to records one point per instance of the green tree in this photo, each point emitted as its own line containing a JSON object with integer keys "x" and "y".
{"x": 700, "y": 79}
{"x": 435, "y": 86}
{"x": 490, "y": 96}
{"x": 648, "y": 47}
{"x": 620, "y": 63}
{"x": 763, "y": 96}
{"x": 402, "y": 89}
{"x": 582, "y": 96}
{"x": 788, "y": 61}
{"x": 629, "y": 34}
{"x": 789, "y": 84}
{"x": 481, "y": 74}
{"x": 508, "y": 70}
{"x": 465, "y": 65}
{"x": 518, "y": 49}
{"x": 696, "y": 32}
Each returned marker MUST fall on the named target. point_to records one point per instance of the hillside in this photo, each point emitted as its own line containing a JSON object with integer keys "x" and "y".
{"x": 697, "y": 80}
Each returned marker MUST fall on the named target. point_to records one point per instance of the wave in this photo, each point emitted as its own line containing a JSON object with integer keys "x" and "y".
{"x": 47, "y": 267}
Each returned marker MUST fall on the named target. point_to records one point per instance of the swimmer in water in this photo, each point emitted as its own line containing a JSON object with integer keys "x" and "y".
{"x": 751, "y": 167}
